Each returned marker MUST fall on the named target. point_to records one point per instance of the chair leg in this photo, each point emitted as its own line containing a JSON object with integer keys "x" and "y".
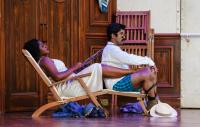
{"x": 43, "y": 108}
{"x": 113, "y": 102}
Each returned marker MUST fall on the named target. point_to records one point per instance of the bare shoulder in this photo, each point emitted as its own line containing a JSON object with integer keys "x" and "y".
{"x": 45, "y": 61}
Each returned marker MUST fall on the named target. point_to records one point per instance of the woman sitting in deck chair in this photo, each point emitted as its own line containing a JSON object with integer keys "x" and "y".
{"x": 57, "y": 70}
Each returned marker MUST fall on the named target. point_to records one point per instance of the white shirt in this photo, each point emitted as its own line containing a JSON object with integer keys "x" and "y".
{"x": 113, "y": 55}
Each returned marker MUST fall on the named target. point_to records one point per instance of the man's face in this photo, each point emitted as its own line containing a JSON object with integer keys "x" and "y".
{"x": 119, "y": 37}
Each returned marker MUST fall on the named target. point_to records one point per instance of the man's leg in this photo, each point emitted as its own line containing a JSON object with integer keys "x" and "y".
{"x": 146, "y": 78}
{"x": 143, "y": 77}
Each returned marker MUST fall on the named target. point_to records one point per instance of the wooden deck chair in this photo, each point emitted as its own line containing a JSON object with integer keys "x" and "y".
{"x": 139, "y": 35}
{"x": 96, "y": 52}
{"x": 51, "y": 85}
{"x": 139, "y": 41}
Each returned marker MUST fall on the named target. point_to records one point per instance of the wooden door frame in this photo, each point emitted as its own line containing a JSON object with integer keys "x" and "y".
{"x": 2, "y": 61}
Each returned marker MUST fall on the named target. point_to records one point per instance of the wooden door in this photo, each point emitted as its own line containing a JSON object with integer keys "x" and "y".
{"x": 59, "y": 27}
{"x": 69, "y": 27}
{"x": 61, "y": 21}
{"x": 52, "y": 21}
{"x": 94, "y": 24}
{"x": 21, "y": 21}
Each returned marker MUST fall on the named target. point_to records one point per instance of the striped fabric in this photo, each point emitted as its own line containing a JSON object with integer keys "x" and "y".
{"x": 125, "y": 85}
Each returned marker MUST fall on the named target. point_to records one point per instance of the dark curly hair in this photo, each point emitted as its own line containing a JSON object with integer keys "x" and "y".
{"x": 33, "y": 47}
{"x": 114, "y": 28}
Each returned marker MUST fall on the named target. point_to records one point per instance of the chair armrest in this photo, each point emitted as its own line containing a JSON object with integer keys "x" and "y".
{"x": 71, "y": 78}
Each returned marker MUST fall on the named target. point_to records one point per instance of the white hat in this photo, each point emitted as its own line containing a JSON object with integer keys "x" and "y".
{"x": 162, "y": 110}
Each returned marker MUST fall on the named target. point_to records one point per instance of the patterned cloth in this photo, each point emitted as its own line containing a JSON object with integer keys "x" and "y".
{"x": 125, "y": 85}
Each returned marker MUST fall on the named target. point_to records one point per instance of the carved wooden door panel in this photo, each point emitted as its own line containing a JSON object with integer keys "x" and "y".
{"x": 20, "y": 25}
{"x": 60, "y": 19}
{"x": 94, "y": 24}
{"x": 59, "y": 27}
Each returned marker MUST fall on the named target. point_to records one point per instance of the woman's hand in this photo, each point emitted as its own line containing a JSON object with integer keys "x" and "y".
{"x": 77, "y": 66}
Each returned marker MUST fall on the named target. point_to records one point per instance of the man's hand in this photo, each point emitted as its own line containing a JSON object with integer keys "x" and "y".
{"x": 154, "y": 68}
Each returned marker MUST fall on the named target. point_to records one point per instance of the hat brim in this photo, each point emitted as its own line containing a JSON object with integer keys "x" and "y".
{"x": 154, "y": 114}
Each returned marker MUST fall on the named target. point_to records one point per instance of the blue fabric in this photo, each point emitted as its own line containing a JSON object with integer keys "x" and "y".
{"x": 94, "y": 112}
{"x": 88, "y": 109}
{"x": 71, "y": 109}
{"x": 125, "y": 85}
{"x": 74, "y": 110}
{"x": 132, "y": 108}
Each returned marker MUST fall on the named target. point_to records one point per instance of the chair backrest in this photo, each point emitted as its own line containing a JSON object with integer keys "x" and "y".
{"x": 41, "y": 73}
{"x": 137, "y": 25}
{"x": 140, "y": 50}
{"x": 138, "y": 31}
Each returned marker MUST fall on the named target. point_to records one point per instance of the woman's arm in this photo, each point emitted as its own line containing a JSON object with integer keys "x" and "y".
{"x": 114, "y": 72}
{"x": 47, "y": 64}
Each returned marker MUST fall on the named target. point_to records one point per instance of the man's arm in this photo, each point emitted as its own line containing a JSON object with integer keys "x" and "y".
{"x": 130, "y": 59}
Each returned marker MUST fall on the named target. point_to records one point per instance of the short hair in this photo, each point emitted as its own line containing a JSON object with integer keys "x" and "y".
{"x": 114, "y": 28}
{"x": 32, "y": 46}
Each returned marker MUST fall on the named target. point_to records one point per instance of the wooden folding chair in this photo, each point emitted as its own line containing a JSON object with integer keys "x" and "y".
{"x": 96, "y": 52}
{"x": 51, "y": 85}
{"x": 139, "y": 35}
{"x": 139, "y": 41}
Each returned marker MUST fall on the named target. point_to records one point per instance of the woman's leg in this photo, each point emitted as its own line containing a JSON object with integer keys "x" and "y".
{"x": 114, "y": 72}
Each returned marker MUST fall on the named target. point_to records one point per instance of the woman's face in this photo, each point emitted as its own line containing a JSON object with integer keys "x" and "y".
{"x": 43, "y": 48}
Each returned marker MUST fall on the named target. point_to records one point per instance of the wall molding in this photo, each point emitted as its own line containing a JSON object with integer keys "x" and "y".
{"x": 2, "y": 60}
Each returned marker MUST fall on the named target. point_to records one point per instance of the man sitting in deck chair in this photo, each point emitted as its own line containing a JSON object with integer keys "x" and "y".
{"x": 144, "y": 78}
{"x": 57, "y": 70}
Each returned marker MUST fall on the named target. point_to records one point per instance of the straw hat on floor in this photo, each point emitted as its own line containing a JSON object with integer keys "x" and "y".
{"x": 162, "y": 110}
